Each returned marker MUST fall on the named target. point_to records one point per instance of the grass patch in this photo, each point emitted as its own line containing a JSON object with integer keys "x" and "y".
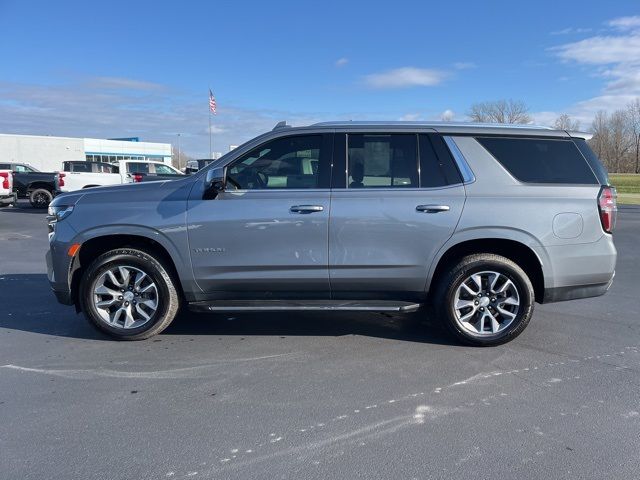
{"x": 628, "y": 187}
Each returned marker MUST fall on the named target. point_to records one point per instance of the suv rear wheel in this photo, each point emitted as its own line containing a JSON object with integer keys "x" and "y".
{"x": 128, "y": 294}
{"x": 485, "y": 299}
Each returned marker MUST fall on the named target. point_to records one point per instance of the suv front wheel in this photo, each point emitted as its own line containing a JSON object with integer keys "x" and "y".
{"x": 485, "y": 299}
{"x": 128, "y": 294}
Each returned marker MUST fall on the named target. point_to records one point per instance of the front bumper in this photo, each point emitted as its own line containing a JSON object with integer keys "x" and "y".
{"x": 58, "y": 269}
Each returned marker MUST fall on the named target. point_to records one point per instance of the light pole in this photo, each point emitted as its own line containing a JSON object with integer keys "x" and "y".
{"x": 178, "y": 150}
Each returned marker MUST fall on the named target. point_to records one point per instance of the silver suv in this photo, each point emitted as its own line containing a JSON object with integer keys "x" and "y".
{"x": 473, "y": 222}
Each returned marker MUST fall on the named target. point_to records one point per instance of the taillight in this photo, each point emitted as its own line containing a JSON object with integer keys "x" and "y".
{"x": 61, "y": 179}
{"x": 5, "y": 180}
{"x": 137, "y": 177}
{"x": 607, "y": 206}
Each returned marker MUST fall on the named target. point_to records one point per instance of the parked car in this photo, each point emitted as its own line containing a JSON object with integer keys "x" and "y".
{"x": 7, "y": 195}
{"x": 28, "y": 182}
{"x": 475, "y": 223}
{"x": 76, "y": 176}
{"x": 195, "y": 165}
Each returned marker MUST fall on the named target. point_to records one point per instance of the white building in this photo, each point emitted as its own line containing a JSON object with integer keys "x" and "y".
{"x": 47, "y": 153}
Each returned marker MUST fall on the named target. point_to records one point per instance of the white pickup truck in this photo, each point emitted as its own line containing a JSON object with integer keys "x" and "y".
{"x": 7, "y": 197}
{"x": 76, "y": 175}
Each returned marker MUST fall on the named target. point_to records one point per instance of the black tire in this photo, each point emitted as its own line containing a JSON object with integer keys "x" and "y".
{"x": 40, "y": 198}
{"x": 168, "y": 302}
{"x": 445, "y": 297}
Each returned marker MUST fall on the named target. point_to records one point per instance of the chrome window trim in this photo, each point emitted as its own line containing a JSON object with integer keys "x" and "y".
{"x": 465, "y": 170}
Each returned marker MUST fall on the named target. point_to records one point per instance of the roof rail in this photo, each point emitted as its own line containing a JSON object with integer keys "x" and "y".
{"x": 282, "y": 124}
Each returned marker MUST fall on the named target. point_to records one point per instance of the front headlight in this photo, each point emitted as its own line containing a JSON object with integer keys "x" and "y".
{"x": 59, "y": 213}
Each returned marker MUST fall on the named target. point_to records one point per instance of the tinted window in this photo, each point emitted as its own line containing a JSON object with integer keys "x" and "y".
{"x": 137, "y": 167}
{"x": 594, "y": 162}
{"x": 5, "y": 166}
{"x": 289, "y": 162}
{"x": 382, "y": 161}
{"x": 165, "y": 170}
{"x": 81, "y": 166}
{"x": 436, "y": 171}
{"x": 539, "y": 160}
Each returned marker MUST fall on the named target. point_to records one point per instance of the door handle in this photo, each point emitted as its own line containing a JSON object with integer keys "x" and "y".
{"x": 432, "y": 208}
{"x": 306, "y": 208}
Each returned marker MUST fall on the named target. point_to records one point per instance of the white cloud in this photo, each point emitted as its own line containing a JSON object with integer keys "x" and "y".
{"x": 124, "y": 83}
{"x": 464, "y": 65}
{"x": 410, "y": 117}
{"x": 447, "y": 115}
{"x": 615, "y": 58}
{"x": 571, "y": 31}
{"x": 406, "y": 77}
{"x": 341, "y": 62}
{"x": 602, "y": 50}
{"x": 625, "y": 23}
{"x": 89, "y": 109}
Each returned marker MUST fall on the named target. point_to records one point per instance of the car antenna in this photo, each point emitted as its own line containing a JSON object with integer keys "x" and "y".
{"x": 282, "y": 124}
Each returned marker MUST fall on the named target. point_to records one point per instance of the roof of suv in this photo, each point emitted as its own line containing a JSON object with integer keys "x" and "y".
{"x": 450, "y": 127}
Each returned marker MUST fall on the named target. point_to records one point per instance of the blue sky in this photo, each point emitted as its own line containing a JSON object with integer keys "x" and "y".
{"x": 113, "y": 69}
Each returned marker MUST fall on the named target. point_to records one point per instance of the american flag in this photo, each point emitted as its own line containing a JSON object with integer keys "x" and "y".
{"x": 212, "y": 102}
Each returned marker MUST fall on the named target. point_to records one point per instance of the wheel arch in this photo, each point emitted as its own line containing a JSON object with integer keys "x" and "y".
{"x": 39, "y": 184}
{"x": 96, "y": 245}
{"x": 523, "y": 251}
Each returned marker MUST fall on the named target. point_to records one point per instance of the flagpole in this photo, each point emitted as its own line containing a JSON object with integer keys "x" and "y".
{"x": 210, "y": 141}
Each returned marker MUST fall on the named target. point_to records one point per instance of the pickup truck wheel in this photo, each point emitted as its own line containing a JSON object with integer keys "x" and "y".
{"x": 128, "y": 294}
{"x": 485, "y": 300}
{"x": 40, "y": 198}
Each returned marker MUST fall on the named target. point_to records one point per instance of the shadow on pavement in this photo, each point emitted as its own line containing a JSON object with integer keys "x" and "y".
{"x": 29, "y": 306}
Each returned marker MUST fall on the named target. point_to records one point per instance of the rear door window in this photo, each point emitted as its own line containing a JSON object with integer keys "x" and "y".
{"x": 436, "y": 170}
{"x": 540, "y": 160}
{"x": 382, "y": 161}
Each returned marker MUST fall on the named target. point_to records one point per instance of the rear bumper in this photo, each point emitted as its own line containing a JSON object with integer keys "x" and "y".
{"x": 580, "y": 271}
{"x": 560, "y": 294}
{"x": 8, "y": 199}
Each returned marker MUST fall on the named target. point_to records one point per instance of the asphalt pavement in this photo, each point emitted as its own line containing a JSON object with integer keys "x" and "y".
{"x": 315, "y": 396}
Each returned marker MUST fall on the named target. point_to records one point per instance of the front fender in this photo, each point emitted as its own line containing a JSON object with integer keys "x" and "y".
{"x": 172, "y": 238}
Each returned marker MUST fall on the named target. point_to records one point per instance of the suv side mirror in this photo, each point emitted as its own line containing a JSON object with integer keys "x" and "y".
{"x": 214, "y": 183}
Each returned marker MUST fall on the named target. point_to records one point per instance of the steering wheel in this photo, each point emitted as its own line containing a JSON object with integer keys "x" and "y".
{"x": 233, "y": 182}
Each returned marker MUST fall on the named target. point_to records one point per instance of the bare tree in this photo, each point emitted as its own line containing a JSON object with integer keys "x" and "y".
{"x": 500, "y": 111}
{"x": 564, "y": 122}
{"x": 600, "y": 140}
{"x": 620, "y": 138}
{"x": 633, "y": 115}
{"x": 179, "y": 159}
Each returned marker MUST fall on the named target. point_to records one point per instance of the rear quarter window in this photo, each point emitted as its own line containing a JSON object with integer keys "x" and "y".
{"x": 540, "y": 160}
{"x": 595, "y": 163}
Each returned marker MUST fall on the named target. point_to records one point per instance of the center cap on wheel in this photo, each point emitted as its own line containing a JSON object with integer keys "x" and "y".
{"x": 484, "y": 301}
{"x": 128, "y": 296}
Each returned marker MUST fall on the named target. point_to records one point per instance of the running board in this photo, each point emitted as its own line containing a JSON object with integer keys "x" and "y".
{"x": 304, "y": 306}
